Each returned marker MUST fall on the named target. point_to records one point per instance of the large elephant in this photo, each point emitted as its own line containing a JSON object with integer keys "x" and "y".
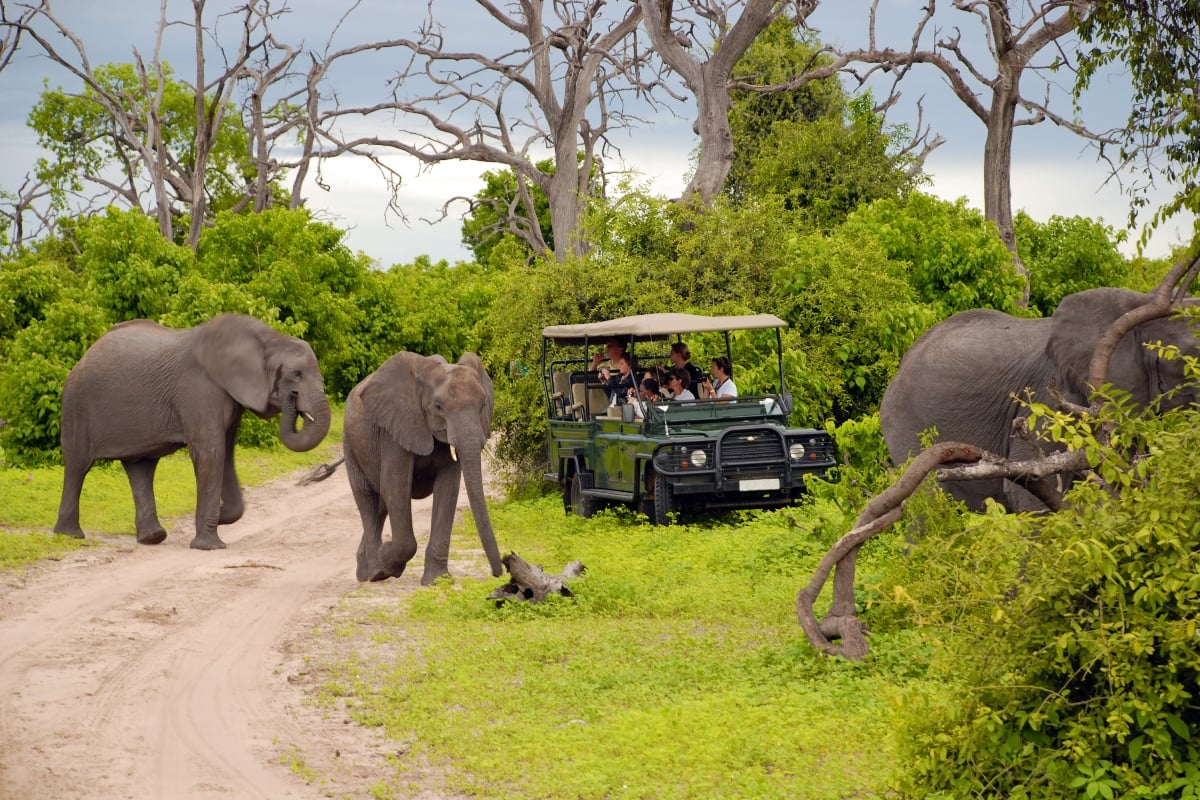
{"x": 962, "y": 375}
{"x": 413, "y": 428}
{"x": 143, "y": 391}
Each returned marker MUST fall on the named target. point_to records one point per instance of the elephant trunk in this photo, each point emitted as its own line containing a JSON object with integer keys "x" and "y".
{"x": 313, "y": 406}
{"x": 472, "y": 472}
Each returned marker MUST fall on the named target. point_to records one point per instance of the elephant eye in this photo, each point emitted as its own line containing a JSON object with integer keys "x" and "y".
{"x": 438, "y": 407}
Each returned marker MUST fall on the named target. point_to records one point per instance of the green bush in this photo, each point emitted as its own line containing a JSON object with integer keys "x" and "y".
{"x": 1066, "y": 255}
{"x": 31, "y": 379}
{"x": 1072, "y": 638}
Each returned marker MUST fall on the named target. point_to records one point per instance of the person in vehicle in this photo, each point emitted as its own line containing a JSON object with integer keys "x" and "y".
{"x": 618, "y": 384}
{"x": 681, "y": 357}
{"x": 648, "y": 392}
{"x": 721, "y": 387}
{"x": 614, "y": 349}
{"x": 679, "y": 382}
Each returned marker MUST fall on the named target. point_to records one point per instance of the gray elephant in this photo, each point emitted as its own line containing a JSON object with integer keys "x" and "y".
{"x": 962, "y": 375}
{"x": 143, "y": 391}
{"x": 414, "y": 428}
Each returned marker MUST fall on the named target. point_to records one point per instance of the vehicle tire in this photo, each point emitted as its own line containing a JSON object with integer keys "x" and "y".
{"x": 664, "y": 501}
{"x": 581, "y": 504}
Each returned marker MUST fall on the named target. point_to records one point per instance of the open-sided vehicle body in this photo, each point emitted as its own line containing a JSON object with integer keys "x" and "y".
{"x": 682, "y": 456}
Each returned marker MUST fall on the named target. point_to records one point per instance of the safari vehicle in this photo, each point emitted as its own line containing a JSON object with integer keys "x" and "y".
{"x": 682, "y": 457}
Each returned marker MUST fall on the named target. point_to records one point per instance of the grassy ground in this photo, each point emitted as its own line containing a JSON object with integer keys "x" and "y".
{"x": 677, "y": 670}
{"x": 31, "y": 496}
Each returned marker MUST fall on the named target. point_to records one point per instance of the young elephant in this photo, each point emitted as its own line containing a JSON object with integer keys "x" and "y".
{"x": 413, "y": 428}
{"x": 143, "y": 391}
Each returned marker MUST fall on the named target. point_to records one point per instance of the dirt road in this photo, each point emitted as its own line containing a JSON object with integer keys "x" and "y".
{"x": 165, "y": 672}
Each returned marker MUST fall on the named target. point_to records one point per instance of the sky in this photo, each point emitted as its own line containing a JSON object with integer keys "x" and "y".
{"x": 1054, "y": 172}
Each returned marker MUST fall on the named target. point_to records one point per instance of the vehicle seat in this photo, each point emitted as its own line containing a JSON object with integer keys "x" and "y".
{"x": 597, "y": 400}
{"x": 561, "y": 383}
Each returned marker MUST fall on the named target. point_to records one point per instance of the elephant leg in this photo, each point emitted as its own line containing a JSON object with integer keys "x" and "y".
{"x": 372, "y": 512}
{"x": 140, "y": 472}
{"x": 445, "y": 501}
{"x": 397, "y": 492}
{"x": 68, "y": 506}
{"x": 208, "y": 463}
{"x": 232, "y": 505}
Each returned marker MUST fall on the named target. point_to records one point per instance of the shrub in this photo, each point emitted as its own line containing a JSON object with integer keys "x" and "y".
{"x": 1074, "y": 637}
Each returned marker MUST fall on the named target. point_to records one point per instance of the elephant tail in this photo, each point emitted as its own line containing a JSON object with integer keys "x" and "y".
{"x": 321, "y": 472}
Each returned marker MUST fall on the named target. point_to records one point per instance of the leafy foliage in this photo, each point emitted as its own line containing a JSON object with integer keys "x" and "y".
{"x": 1067, "y": 255}
{"x": 81, "y": 133}
{"x": 1155, "y": 41}
{"x": 1074, "y": 649}
{"x": 827, "y": 168}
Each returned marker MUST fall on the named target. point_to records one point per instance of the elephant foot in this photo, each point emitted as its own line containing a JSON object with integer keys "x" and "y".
{"x": 229, "y": 516}
{"x": 212, "y": 542}
{"x": 157, "y": 536}
{"x": 431, "y": 575}
{"x": 383, "y": 573}
{"x": 74, "y": 533}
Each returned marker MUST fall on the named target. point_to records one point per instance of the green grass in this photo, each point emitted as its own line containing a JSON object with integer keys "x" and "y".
{"x": 677, "y": 670}
{"x": 31, "y": 496}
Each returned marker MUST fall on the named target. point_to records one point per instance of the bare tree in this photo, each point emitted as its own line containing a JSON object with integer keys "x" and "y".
{"x": 560, "y": 88}
{"x": 1015, "y": 34}
{"x": 706, "y": 65}
{"x": 154, "y": 176}
{"x": 966, "y": 462}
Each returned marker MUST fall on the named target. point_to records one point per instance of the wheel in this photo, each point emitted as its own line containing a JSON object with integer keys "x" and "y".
{"x": 664, "y": 501}
{"x": 583, "y": 505}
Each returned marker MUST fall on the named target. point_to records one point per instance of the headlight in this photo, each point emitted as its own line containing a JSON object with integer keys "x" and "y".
{"x": 796, "y": 451}
{"x": 698, "y": 458}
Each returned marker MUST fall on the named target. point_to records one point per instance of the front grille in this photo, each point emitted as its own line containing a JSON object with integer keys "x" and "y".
{"x": 758, "y": 446}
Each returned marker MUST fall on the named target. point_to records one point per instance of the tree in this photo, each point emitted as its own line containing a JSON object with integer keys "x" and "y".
{"x": 675, "y": 35}
{"x": 1156, "y": 41}
{"x": 561, "y": 86}
{"x": 182, "y": 150}
{"x": 1015, "y": 33}
{"x": 779, "y": 53}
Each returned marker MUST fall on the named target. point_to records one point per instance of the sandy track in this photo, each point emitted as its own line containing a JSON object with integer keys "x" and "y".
{"x": 165, "y": 672}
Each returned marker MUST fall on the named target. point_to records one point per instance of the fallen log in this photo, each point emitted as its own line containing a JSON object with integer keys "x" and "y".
{"x": 530, "y": 583}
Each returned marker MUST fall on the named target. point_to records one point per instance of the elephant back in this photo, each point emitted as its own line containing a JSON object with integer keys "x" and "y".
{"x": 959, "y": 378}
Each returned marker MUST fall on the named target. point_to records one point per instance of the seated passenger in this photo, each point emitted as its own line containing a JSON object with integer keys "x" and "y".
{"x": 649, "y": 392}
{"x": 681, "y": 357}
{"x": 613, "y": 350}
{"x": 678, "y": 381}
{"x": 721, "y": 387}
{"x": 618, "y": 385}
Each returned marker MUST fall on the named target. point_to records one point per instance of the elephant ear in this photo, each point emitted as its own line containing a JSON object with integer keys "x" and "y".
{"x": 231, "y": 350}
{"x": 393, "y": 397}
{"x": 475, "y": 364}
{"x": 1076, "y": 327}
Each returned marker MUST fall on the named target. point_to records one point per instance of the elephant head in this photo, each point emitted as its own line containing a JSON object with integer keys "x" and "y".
{"x": 269, "y": 373}
{"x": 1075, "y": 330}
{"x": 961, "y": 378}
{"x": 422, "y": 400}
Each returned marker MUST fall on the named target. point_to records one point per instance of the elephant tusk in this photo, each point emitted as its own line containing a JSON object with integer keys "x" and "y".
{"x": 453, "y": 453}
{"x": 308, "y": 416}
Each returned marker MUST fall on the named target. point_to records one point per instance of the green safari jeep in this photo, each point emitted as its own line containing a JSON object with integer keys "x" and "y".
{"x": 672, "y": 458}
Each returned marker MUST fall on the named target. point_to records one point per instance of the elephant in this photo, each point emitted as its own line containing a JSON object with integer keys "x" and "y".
{"x": 414, "y": 428}
{"x": 961, "y": 378}
{"x": 143, "y": 391}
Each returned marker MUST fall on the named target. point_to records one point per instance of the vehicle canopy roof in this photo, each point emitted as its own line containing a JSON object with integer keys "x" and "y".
{"x": 644, "y": 327}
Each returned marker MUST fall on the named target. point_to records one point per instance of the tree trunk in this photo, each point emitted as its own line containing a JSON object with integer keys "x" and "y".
{"x": 997, "y": 165}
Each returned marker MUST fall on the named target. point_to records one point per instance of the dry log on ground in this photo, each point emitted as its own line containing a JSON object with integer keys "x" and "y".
{"x": 531, "y": 583}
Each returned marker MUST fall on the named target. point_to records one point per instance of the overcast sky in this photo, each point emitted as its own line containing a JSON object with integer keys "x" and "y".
{"x": 1054, "y": 172}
